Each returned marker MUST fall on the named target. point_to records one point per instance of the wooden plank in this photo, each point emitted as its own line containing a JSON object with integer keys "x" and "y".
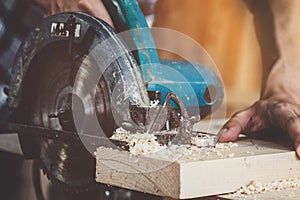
{"x": 138, "y": 173}
{"x": 185, "y": 178}
{"x": 230, "y": 174}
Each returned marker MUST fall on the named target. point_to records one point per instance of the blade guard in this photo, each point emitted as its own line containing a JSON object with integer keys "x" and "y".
{"x": 89, "y": 32}
{"x": 44, "y": 34}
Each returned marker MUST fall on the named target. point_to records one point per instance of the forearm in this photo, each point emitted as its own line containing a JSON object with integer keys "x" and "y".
{"x": 92, "y": 7}
{"x": 279, "y": 37}
{"x": 283, "y": 79}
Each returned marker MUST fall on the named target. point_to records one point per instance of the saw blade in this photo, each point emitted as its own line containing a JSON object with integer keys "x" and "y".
{"x": 67, "y": 163}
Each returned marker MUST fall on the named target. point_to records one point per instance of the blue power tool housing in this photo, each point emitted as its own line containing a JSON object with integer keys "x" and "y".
{"x": 199, "y": 88}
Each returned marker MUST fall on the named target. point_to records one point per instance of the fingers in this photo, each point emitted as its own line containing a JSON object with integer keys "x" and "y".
{"x": 236, "y": 125}
{"x": 293, "y": 129}
{"x": 286, "y": 116}
{"x": 97, "y": 9}
{"x": 263, "y": 114}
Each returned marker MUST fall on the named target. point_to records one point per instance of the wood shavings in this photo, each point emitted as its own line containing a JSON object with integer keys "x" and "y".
{"x": 147, "y": 145}
{"x": 255, "y": 187}
{"x": 121, "y": 134}
{"x": 139, "y": 143}
{"x": 223, "y": 150}
{"x": 203, "y": 140}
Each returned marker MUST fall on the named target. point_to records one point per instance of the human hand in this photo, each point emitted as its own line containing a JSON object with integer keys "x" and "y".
{"x": 92, "y": 7}
{"x": 279, "y": 106}
{"x": 265, "y": 114}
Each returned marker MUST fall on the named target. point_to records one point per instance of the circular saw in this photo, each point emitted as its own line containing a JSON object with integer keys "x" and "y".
{"x": 75, "y": 80}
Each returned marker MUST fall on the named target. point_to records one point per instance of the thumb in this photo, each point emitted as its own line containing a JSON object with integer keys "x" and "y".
{"x": 236, "y": 125}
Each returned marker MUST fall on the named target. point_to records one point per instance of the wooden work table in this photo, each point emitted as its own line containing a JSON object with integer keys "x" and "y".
{"x": 254, "y": 159}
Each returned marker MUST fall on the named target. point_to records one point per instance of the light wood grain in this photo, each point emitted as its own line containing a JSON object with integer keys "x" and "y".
{"x": 258, "y": 160}
{"x": 184, "y": 179}
{"x": 138, "y": 173}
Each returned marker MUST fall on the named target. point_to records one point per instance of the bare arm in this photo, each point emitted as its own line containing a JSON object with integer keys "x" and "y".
{"x": 93, "y": 7}
{"x": 278, "y": 31}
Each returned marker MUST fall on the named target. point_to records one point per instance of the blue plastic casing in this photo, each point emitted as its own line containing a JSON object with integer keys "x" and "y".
{"x": 194, "y": 84}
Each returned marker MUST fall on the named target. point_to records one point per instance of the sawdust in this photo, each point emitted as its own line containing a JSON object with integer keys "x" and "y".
{"x": 255, "y": 187}
{"x": 200, "y": 148}
{"x": 203, "y": 140}
{"x": 139, "y": 143}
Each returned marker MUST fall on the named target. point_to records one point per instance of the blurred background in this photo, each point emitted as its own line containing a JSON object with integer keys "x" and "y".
{"x": 226, "y": 30}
